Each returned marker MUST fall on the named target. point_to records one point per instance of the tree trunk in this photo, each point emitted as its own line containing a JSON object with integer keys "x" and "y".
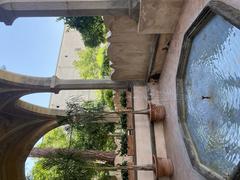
{"x": 142, "y": 111}
{"x": 147, "y": 167}
{"x": 73, "y": 154}
{"x": 102, "y": 117}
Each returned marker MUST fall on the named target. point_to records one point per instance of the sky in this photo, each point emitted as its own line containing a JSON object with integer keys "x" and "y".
{"x": 30, "y": 46}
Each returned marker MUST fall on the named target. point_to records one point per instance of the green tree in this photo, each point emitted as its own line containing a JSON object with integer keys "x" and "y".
{"x": 40, "y": 172}
{"x": 92, "y": 28}
{"x": 87, "y": 130}
{"x": 77, "y": 154}
{"x": 49, "y": 140}
{"x": 84, "y": 133}
{"x": 87, "y": 65}
{"x": 93, "y": 63}
{"x": 107, "y": 98}
{"x": 63, "y": 169}
{"x": 82, "y": 136}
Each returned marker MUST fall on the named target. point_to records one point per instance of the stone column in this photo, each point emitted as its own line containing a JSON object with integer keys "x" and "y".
{"x": 11, "y": 9}
{"x": 91, "y": 84}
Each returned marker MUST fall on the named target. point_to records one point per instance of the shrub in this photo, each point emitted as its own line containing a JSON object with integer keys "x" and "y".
{"x": 123, "y": 121}
{"x": 123, "y": 99}
{"x": 92, "y": 28}
{"x": 124, "y": 172}
{"x": 124, "y": 145}
{"x": 106, "y": 69}
{"x": 108, "y": 98}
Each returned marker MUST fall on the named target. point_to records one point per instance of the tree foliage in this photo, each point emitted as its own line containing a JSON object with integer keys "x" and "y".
{"x": 107, "y": 98}
{"x": 124, "y": 145}
{"x": 80, "y": 135}
{"x": 62, "y": 169}
{"x": 40, "y": 172}
{"x": 93, "y": 63}
{"x": 87, "y": 132}
{"x": 87, "y": 65}
{"x": 123, "y": 99}
{"x": 92, "y": 28}
{"x": 123, "y": 121}
{"x": 124, "y": 172}
{"x": 49, "y": 139}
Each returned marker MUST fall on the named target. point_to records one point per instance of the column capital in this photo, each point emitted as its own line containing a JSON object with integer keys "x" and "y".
{"x": 53, "y": 84}
{"x": 6, "y": 16}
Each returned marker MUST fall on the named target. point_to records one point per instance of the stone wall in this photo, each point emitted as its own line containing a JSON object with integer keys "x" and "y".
{"x": 159, "y": 16}
{"x": 129, "y": 51}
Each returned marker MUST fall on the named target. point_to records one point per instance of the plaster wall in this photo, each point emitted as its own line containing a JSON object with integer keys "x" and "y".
{"x": 166, "y": 11}
{"x": 176, "y": 149}
{"x": 128, "y": 48}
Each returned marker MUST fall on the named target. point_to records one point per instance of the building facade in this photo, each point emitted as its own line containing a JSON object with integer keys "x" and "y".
{"x": 200, "y": 133}
{"x": 71, "y": 45}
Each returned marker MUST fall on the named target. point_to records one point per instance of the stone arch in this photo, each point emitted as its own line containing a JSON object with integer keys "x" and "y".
{"x": 19, "y": 142}
{"x": 22, "y": 123}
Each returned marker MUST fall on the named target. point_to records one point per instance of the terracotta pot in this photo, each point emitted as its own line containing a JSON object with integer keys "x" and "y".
{"x": 163, "y": 167}
{"x": 156, "y": 113}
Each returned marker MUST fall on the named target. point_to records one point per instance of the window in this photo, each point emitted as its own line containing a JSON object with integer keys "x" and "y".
{"x": 208, "y": 82}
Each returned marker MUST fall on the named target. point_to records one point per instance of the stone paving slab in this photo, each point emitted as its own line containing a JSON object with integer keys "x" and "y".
{"x": 142, "y": 130}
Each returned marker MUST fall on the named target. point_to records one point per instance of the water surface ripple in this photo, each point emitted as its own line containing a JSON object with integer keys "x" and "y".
{"x": 212, "y": 95}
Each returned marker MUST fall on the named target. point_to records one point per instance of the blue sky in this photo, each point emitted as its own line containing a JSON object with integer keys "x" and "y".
{"x": 31, "y": 46}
